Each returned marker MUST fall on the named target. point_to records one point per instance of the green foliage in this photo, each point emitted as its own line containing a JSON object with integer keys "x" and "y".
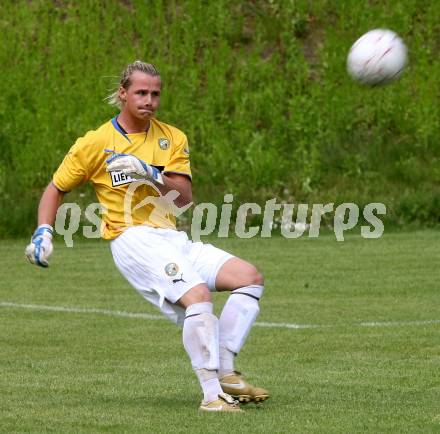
{"x": 259, "y": 87}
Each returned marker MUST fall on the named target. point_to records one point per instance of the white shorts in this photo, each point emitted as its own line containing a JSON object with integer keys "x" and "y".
{"x": 163, "y": 264}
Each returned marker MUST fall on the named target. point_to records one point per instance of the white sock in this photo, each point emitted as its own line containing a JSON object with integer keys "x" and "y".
{"x": 226, "y": 362}
{"x": 210, "y": 384}
{"x": 200, "y": 339}
{"x": 236, "y": 320}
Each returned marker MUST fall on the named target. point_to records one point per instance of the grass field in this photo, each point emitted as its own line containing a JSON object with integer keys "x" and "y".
{"x": 366, "y": 360}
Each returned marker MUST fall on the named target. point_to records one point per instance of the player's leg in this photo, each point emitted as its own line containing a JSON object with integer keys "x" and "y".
{"x": 236, "y": 320}
{"x": 240, "y": 310}
{"x": 222, "y": 271}
{"x": 154, "y": 263}
{"x": 200, "y": 339}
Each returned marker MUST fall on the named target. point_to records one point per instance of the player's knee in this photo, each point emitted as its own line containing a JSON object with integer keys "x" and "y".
{"x": 254, "y": 277}
{"x": 197, "y": 294}
{"x": 258, "y": 278}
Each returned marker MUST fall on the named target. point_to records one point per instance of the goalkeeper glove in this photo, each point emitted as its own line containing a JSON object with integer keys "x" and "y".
{"x": 40, "y": 248}
{"x": 133, "y": 166}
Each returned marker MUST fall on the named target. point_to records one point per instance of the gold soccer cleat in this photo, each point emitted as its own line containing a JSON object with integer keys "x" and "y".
{"x": 223, "y": 403}
{"x": 234, "y": 385}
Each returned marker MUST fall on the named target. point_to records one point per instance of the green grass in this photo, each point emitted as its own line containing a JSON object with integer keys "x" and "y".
{"x": 88, "y": 372}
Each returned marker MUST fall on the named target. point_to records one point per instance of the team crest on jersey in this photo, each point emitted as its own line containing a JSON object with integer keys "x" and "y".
{"x": 164, "y": 144}
{"x": 171, "y": 269}
{"x": 119, "y": 178}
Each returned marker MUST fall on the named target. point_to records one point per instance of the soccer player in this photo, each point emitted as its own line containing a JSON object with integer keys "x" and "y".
{"x": 131, "y": 158}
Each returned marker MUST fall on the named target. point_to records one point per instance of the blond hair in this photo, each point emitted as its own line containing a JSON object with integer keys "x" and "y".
{"x": 148, "y": 68}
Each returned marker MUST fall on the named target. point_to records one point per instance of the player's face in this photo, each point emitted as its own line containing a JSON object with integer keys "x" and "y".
{"x": 142, "y": 97}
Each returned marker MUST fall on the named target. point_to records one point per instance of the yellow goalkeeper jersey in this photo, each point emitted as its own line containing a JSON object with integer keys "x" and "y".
{"x": 125, "y": 202}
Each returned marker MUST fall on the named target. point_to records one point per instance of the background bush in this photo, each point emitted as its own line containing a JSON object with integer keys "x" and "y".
{"x": 260, "y": 88}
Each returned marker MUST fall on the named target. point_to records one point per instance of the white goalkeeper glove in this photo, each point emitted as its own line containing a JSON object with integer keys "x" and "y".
{"x": 40, "y": 248}
{"x": 133, "y": 166}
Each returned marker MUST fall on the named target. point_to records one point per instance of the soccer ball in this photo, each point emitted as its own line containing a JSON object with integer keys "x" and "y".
{"x": 378, "y": 57}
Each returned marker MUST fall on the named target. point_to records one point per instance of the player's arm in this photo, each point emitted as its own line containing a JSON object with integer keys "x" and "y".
{"x": 140, "y": 170}
{"x": 181, "y": 183}
{"x": 40, "y": 247}
{"x": 49, "y": 203}
{"x": 74, "y": 170}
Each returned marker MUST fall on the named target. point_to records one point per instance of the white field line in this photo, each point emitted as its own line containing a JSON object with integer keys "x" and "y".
{"x": 147, "y": 316}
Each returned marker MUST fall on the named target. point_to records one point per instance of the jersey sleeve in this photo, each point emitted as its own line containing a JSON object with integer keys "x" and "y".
{"x": 73, "y": 170}
{"x": 179, "y": 160}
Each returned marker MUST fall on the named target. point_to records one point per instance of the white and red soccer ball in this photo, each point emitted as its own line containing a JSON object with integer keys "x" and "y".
{"x": 378, "y": 57}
